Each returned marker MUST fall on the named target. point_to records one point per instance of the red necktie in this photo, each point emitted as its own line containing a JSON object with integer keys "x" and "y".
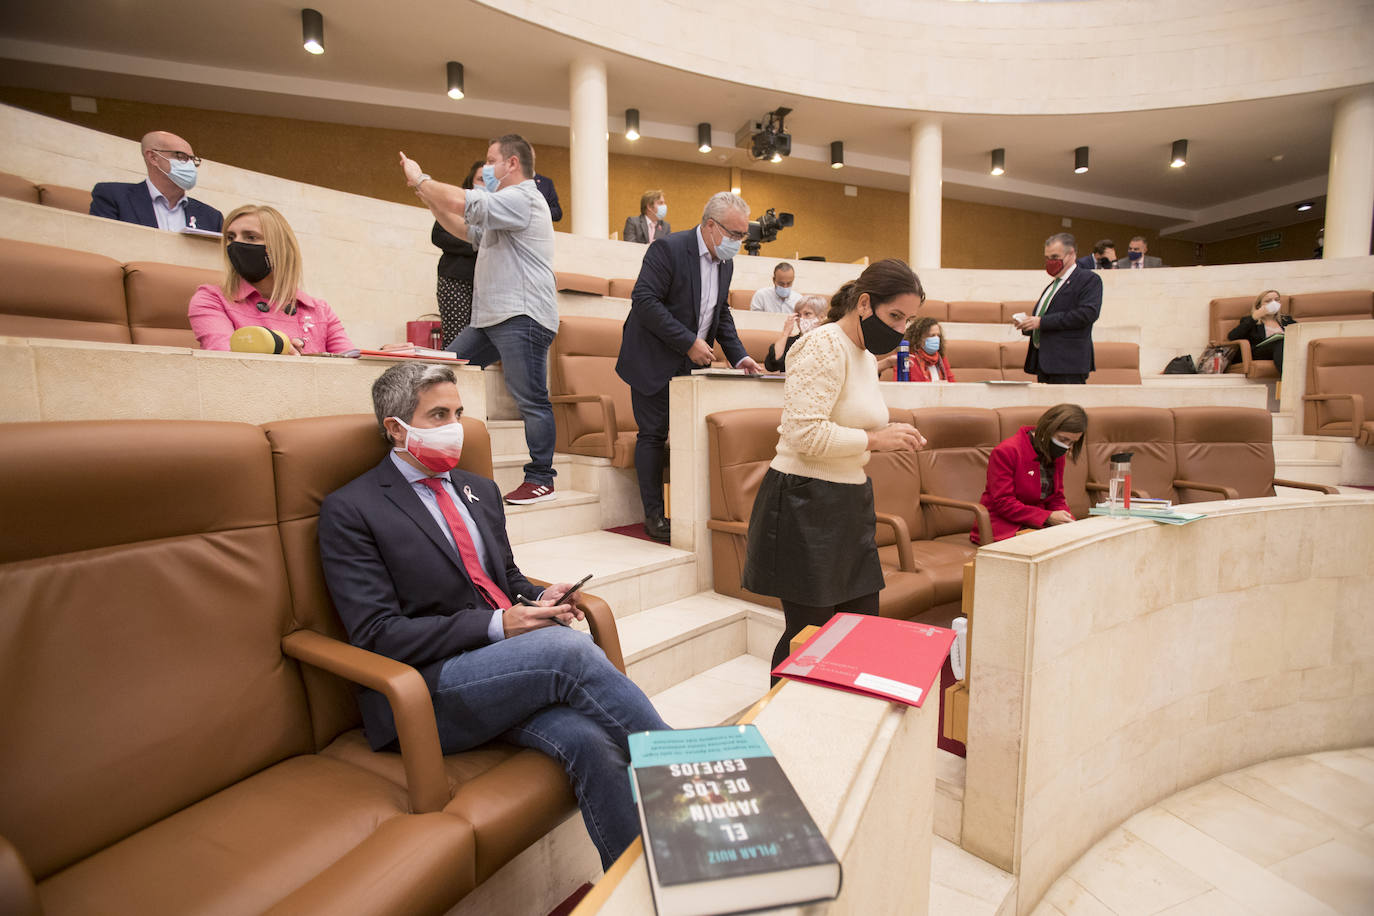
{"x": 462, "y": 539}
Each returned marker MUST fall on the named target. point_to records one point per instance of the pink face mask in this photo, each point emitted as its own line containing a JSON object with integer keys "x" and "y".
{"x": 436, "y": 447}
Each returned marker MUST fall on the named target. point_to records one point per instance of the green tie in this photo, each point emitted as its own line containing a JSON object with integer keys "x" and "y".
{"x": 1043, "y": 308}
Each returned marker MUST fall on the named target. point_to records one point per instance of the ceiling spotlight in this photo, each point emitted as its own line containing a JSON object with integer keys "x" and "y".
{"x": 999, "y": 161}
{"x": 1304, "y": 206}
{"x": 777, "y": 157}
{"x": 455, "y": 80}
{"x": 312, "y": 31}
{"x": 1179, "y": 157}
{"x": 703, "y": 137}
{"x": 631, "y": 123}
{"x": 837, "y": 154}
{"x": 1080, "y": 160}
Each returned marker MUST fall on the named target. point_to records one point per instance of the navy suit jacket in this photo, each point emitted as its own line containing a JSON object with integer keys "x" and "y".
{"x": 545, "y": 186}
{"x": 1066, "y": 328}
{"x": 665, "y": 310}
{"x": 399, "y": 587}
{"x": 131, "y": 203}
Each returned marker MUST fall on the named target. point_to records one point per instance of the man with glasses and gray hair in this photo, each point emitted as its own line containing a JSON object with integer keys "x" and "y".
{"x": 161, "y": 201}
{"x": 678, "y": 311}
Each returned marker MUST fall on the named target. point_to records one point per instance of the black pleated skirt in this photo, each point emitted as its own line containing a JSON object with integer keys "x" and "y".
{"x": 811, "y": 541}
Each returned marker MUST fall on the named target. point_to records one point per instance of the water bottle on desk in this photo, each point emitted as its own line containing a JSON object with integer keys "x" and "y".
{"x": 436, "y": 339}
{"x": 1119, "y": 484}
{"x": 903, "y": 361}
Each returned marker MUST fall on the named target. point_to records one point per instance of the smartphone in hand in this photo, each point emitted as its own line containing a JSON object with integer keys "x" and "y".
{"x": 561, "y": 598}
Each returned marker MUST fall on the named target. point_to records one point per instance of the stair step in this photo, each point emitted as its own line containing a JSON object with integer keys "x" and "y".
{"x": 1286, "y": 425}
{"x": 961, "y": 884}
{"x": 1291, "y": 446}
{"x": 628, "y": 573}
{"x": 571, "y": 512}
{"x": 673, "y": 642}
{"x": 507, "y": 437}
{"x": 950, "y": 772}
{"x": 509, "y": 470}
{"x": 717, "y": 696}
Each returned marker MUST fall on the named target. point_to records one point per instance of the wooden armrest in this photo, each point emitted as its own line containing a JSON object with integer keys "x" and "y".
{"x": 18, "y": 894}
{"x": 1356, "y": 407}
{"x": 607, "y": 414}
{"x": 717, "y": 524}
{"x": 405, "y": 690}
{"x": 980, "y": 513}
{"x": 601, "y": 622}
{"x": 1226, "y": 492}
{"x": 902, "y": 535}
{"x": 1298, "y": 484}
{"x": 1242, "y": 345}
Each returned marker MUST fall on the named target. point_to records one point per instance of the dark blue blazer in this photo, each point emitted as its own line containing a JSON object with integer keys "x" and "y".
{"x": 1066, "y": 328}
{"x": 130, "y": 203}
{"x": 399, "y": 587}
{"x": 545, "y": 186}
{"x": 664, "y": 312}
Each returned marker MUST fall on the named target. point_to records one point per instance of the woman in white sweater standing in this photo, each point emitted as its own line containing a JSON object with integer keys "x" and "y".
{"x": 811, "y": 541}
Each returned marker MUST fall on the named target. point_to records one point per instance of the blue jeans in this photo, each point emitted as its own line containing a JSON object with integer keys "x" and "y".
{"x": 522, "y": 346}
{"x": 553, "y": 690}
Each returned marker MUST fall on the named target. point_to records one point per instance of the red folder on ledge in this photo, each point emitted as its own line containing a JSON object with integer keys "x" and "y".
{"x": 876, "y": 656}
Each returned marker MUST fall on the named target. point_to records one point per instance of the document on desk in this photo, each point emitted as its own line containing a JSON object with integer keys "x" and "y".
{"x": 876, "y": 656}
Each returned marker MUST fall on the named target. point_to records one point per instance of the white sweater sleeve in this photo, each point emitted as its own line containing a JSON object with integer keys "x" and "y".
{"x": 816, "y": 369}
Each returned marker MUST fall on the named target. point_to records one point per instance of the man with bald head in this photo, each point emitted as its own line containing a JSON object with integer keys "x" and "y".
{"x": 159, "y": 202}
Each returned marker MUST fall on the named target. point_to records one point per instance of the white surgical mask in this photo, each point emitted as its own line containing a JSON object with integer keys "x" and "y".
{"x": 806, "y": 324}
{"x": 438, "y": 448}
{"x": 1272, "y": 306}
{"x": 662, "y": 211}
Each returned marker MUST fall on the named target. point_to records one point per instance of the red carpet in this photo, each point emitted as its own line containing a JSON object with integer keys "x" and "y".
{"x": 634, "y": 531}
{"x": 566, "y": 907}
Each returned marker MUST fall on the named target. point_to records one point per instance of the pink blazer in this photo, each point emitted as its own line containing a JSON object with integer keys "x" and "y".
{"x": 1012, "y": 496}
{"x": 214, "y": 317}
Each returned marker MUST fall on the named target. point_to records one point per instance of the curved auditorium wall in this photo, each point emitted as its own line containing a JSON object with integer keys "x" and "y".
{"x": 989, "y": 58}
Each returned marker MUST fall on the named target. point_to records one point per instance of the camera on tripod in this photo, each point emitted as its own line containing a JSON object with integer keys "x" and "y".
{"x": 765, "y": 229}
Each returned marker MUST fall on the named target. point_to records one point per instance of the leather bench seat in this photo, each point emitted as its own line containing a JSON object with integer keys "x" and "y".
{"x": 254, "y": 843}
{"x": 581, "y": 283}
{"x": 157, "y": 296}
{"x": 17, "y": 187}
{"x": 591, "y": 404}
{"x": 180, "y": 734}
{"x": 1223, "y": 314}
{"x": 1340, "y": 389}
{"x": 57, "y": 292}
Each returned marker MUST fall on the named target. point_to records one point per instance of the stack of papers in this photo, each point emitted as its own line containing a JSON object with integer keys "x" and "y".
{"x": 1168, "y": 516}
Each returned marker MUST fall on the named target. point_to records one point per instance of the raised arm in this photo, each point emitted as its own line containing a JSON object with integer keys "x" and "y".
{"x": 448, "y": 202}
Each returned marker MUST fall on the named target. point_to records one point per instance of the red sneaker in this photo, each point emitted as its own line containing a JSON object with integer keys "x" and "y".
{"x": 529, "y": 492}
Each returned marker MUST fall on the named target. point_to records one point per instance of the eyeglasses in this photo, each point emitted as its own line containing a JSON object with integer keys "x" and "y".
{"x": 178, "y": 155}
{"x": 737, "y": 236}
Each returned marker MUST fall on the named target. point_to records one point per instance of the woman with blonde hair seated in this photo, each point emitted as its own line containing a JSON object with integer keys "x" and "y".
{"x": 261, "y": 287}
{"x": 1264, "y": 328}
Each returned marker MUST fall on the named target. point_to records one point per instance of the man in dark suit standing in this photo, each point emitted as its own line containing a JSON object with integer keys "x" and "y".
{"x": 650, "y": 224}
{"x": 416, "y": 558}
{"x": 1061, "y": 328}
{"x": 678, "y": 310}
{"x": 160, "y": 202}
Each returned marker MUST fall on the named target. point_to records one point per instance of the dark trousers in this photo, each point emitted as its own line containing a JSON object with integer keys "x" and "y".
{"x": 1274, "y": 351}
{"x": 1047, "y": 379}
{"x": 651, "y": 447}
{"x": 798, "y": 617}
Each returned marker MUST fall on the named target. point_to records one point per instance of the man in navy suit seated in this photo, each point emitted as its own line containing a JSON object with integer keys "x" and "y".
{"x": 417, "y": 561}
{"x": 678, "y": 310}
{"x": 1061, "y": 328}
{"x": 160, "y": 202}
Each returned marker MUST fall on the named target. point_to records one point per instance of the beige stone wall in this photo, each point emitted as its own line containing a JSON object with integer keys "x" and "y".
{"x": 1006, "y": 58}
{"x": 1117, "y": 661}
{"x": 81, "y": 380}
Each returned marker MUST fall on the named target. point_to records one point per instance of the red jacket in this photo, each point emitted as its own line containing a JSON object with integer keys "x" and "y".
{"x": 1012, "y": 496}
{"x": 919, "y": 373}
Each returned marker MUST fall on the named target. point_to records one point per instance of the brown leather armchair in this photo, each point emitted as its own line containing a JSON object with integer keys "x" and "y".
{"x": 1340, "y": 389}
{"x": 591, "y": 404}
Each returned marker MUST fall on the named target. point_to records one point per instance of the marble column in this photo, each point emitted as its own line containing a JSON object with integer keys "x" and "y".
{"x": 1350, "y": 180}
{"x": 588, "y": 158}
{"x": 927, "y": 179}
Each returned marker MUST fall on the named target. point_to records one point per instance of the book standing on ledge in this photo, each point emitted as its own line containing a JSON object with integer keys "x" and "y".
{"x": 724, "y": 830}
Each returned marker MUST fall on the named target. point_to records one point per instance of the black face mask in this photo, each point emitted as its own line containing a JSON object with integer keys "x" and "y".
{"x": 249, "y": 260}
{"x": 1104, "y": 263}
{"x": 879, "y": 337}
{"x": 1055, "y": 450}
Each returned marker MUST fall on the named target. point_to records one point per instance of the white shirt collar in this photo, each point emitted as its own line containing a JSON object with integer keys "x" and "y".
{"x": 702, "y": 250}
{"x": 158, "y": 195}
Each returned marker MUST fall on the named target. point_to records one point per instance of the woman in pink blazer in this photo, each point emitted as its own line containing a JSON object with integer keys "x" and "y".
{"x": 1025, "y": 486}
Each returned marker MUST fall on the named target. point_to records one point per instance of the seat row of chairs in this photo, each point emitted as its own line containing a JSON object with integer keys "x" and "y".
{"x": 17, "y": 187}
{"x": 181, "y": 729}
{"x": 927, "y": 502}
{"x": 739, "y": 299}
{"x": 1225, "y": 313}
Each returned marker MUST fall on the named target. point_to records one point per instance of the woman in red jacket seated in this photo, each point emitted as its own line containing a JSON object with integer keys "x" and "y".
{"x": 928, "y": 363}
{"x": 1026, "y": 473}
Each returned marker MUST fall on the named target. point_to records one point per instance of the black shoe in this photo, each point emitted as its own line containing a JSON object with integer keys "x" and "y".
{"x": 658, "y": 528}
